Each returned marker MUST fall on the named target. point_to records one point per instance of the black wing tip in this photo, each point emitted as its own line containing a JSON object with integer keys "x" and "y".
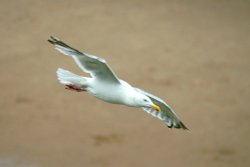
{"x": 50, "y": 41}
{"x": 52, "y": 37}
{"x": 53, "y": 40}
{"x": 56, "y": 41}
{"x": 180, "y": 125}
{"x": 183, "y": 126}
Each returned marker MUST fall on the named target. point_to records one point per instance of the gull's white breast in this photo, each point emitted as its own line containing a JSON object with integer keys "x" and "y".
{"x": 112, "y": 93}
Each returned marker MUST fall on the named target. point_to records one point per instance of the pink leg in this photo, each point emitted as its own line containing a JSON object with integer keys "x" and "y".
{"x": 75, "y": 88}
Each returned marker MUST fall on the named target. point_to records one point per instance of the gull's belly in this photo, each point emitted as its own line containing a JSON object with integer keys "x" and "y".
{"x": 108, "y": 93}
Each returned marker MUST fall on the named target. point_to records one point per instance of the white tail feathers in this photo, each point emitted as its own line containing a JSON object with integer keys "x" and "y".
{"x": 67, "y": 78}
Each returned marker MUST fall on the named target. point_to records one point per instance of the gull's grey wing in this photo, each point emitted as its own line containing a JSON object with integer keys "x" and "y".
{"x": 95, "y": 66}
{"x": 166, "y": 114}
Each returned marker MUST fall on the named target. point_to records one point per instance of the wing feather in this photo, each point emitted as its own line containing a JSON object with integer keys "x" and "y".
{"x": 95, "y": 66}
{"x": 166, "y": 114}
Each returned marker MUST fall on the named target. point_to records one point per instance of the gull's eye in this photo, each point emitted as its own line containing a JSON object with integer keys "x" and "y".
{"x": 145, "y": 100}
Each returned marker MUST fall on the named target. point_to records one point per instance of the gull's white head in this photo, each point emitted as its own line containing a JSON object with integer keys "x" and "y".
{"x": 144, "y": 101}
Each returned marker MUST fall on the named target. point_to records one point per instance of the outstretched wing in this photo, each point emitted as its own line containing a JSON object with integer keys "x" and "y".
{"x": 166, "y": 114}
{"x": 95, "y": 66}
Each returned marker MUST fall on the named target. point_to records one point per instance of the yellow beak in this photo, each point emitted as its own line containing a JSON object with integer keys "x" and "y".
{"x": 155, "y": 107}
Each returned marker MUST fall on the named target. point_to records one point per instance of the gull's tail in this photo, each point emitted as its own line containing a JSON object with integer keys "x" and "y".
{"x": 68, "y": 78}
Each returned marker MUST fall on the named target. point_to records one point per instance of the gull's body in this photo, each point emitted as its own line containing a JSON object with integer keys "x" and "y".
{"x": 105, "y": 85}
{"x": 117, "y": 96}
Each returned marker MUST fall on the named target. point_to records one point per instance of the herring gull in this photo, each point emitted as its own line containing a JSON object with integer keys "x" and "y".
{"x": 105, "y": 85}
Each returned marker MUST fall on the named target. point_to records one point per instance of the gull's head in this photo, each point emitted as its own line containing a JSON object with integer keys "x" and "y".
{"x": 145, "y": 101}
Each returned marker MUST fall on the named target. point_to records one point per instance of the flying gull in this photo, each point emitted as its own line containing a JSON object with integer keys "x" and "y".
{"x": 105, "y": 85}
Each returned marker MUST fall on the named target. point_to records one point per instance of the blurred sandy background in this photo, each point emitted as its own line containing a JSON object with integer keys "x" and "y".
{"x": 193, "y": 54}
